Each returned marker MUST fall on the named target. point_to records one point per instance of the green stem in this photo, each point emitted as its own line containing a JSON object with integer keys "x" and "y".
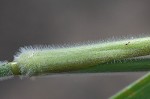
{"x": 32, "y": 61}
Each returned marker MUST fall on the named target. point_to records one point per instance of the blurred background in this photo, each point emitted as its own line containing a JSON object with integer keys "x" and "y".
{"x": 58, "y": 22}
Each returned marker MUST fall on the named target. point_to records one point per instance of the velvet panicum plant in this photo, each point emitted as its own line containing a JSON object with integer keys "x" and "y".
{"x": 113, "y": 56}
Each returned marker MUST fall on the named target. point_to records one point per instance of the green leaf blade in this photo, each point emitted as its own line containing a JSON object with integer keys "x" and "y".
{"x": 129, "y": 65}
{"x": 138, "y": 90}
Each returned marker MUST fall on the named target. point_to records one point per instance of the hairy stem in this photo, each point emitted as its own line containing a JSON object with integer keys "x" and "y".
{"x": 34, "y": 61}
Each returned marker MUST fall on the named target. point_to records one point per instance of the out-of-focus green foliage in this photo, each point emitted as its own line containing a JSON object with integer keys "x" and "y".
{"x": 138, "y": 90}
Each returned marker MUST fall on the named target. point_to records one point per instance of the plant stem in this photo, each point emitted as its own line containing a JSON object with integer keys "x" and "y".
{"x": 33, "y": 61}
